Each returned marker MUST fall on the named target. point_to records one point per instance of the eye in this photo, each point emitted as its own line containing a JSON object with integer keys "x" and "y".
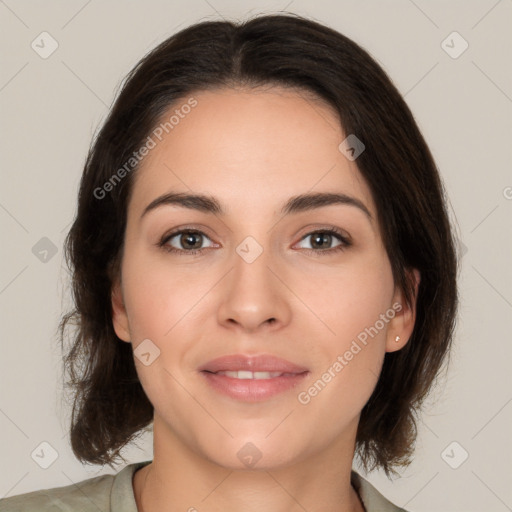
{"x": 321, "y": 241}
{"x": 190, "y": 241}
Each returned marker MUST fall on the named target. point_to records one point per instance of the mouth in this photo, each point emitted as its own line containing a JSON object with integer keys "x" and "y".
{"x": 252, "y": 378}
{"x": 245, "y": 375}
{"x": 253, "y": 364}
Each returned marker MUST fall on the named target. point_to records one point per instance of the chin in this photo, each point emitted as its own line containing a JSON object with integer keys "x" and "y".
{"x": 253, "y": 453}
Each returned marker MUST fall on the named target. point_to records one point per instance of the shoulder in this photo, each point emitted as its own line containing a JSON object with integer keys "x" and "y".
{"x": 372, "y": 499}
{"x": 91, "y": 494}
{"x": 105, "y": 493}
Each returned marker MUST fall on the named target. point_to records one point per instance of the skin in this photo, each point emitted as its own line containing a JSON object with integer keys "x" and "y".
{"x": 253, "y": 150}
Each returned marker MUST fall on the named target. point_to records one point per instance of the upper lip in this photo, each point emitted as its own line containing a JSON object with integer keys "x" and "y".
{"x": 254, "y": 363}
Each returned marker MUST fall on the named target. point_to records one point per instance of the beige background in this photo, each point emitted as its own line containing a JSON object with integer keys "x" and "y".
{"x": 51, "y": 107}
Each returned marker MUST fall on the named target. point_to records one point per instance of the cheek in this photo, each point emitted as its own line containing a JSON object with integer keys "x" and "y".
{"x": 354, "y": 306}
{"x": 159, "y": 302}
{"x": 158, "y": 295}
{"x": 350, "y": 359}
{"x": 350, "y": 298}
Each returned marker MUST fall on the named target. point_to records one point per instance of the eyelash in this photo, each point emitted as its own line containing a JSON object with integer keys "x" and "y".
{"x": 345, "y": 242}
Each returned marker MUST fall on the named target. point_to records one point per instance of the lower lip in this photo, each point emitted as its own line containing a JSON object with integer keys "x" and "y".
{"x": 252, "y": 390}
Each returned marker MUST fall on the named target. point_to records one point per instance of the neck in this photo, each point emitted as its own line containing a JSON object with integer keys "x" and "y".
{"x": 179, "y": 479}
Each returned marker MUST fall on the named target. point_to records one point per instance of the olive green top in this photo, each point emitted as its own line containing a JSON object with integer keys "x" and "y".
{"x": 114, "y": 493}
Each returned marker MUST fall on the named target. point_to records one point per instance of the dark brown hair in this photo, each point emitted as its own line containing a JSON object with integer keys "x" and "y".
{"x": 110, "y": 407}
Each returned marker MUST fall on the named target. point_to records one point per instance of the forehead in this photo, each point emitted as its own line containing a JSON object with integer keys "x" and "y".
{"x": 250, "y": 148}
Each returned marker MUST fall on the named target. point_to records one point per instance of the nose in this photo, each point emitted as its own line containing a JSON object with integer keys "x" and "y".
{"x": 254, "y": 296}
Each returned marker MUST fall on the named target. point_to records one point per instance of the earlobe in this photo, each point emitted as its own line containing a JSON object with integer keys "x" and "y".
{"x": 402, "y": 325}
{"x": 119, "y": 315}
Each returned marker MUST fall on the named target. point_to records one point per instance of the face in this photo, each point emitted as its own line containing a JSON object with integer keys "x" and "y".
{"x": 310, "y": 284}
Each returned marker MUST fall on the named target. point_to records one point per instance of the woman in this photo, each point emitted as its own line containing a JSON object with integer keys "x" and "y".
{"x": 263, "y": 271}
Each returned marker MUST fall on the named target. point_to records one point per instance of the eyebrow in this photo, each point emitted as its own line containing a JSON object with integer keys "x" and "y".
{"x": 295, "y": 204}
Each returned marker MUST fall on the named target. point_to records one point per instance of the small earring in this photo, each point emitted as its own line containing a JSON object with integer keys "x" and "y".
{"x": 397, "y": 339}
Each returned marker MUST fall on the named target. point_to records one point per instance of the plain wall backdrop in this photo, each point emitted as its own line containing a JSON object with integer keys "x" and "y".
{"x": 52, "y": 104}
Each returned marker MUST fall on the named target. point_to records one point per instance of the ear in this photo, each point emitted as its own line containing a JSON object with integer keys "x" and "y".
{"x": 119, "y": 316}
{"x": 403, "y": 322}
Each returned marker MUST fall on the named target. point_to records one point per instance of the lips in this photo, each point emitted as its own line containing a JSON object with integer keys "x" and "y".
{"x": 243, "y": 374}
{"x": 252, "y": 367}
{"x": 252, "y": 378}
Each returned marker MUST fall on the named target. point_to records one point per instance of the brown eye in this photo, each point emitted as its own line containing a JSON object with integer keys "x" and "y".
{"x": 190, "y": 240}
{"x": 184, "y": 242}
{"x": 322, "y": 241}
